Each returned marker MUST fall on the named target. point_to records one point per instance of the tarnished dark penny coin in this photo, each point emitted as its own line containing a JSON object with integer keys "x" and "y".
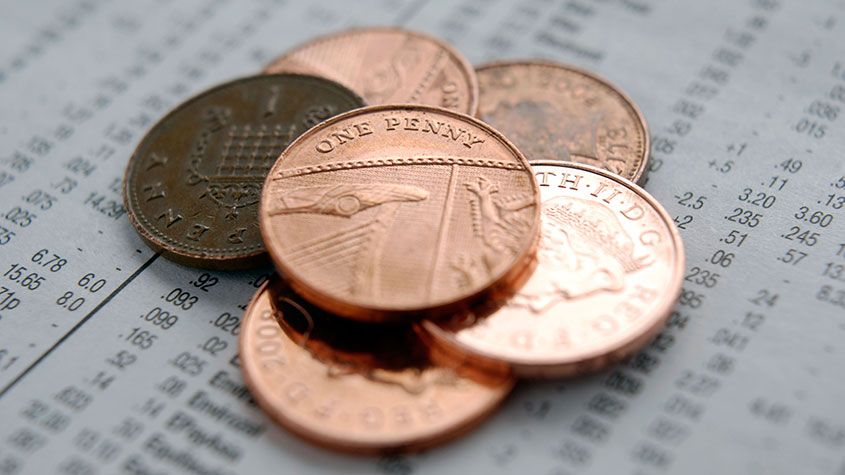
{"x": 553, "y": 111}
{"x": 193, "y": 184}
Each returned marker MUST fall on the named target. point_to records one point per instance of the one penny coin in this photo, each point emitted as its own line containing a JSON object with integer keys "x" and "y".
{"x": 557, "y": 112}
{"x": 398, "y": 212}
{"x": 388, "y": 66}
{"x": 609, "y": 269}
{"x": 352, "y": 386}
{"x": 192, "y": 186}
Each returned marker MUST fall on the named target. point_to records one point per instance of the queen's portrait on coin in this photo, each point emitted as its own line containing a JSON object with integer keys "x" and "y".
{"x": 583, "y": 250}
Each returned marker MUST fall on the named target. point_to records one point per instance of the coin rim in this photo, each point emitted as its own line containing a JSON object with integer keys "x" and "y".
{"x": 466, "y": 66}
{"x": 645, "y": 158}
{"x": 244, "y": 257}
{"x": 585, "y": 362}
{"x": 250, "y": 372}
{"x": 343, "y": 308}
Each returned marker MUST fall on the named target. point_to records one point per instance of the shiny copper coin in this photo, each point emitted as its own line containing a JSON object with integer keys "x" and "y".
{"x": 352, "y": 386}
{"x": 397, "y": 212}
{"x": 388, "y": 66}
{"x": 610, "y": 264}
{"x": 557, "y": 112}
{"x": 193, "y": 184}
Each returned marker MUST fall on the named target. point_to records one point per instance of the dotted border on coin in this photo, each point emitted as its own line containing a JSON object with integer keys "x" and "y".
{"x": 149, "y": 230}
{"x": 390, "y": 162}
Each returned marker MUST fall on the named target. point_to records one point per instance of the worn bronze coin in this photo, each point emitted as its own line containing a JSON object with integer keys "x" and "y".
{"x": 193, "y": 184}
{"x": 352, "y": 386}
{"x": 388, "y": 66}
{"x": 399, "y": 212}
{"x": 553, "y": 111}
{"x": 609, "y": 269}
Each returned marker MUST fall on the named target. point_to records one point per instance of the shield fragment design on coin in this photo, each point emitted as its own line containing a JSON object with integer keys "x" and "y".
{"x": 358, "y": 245}
{"x": 388, "y": 66}
{"x": 344, "y": 199}
{"x": 193, "y": 185}
{"x": 498, "y": 223}
{"x": 396, "y": 212}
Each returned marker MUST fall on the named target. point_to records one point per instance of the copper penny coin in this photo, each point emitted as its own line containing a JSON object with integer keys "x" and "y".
{"x": 388, "y": 66}
{"x": 352, "y": 386}
{"x": 610, "y": 268}
{"x": 556, "y": 112}
{"x": 192, "y": 186}
{"x": 398, "y": 212}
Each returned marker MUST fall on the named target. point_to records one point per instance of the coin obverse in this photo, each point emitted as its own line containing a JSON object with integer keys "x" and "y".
{"x": 193, "y": 184}
{"x": 388, "y": 66}
{"x": 399, "y": 212}
{"x": 553, "y": 111}
{"x": 609, "y": 269}
{"x": 352, "y": 386}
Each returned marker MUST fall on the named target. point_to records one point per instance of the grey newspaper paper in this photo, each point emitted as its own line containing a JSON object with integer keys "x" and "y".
{"x": 744, "y": 99}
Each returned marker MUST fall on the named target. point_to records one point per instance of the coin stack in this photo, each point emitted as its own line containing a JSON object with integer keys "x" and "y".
{"x": 439, "y": 231}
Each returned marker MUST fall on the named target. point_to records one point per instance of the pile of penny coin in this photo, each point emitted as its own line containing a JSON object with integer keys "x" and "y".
{"x": 439, "y": 231}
